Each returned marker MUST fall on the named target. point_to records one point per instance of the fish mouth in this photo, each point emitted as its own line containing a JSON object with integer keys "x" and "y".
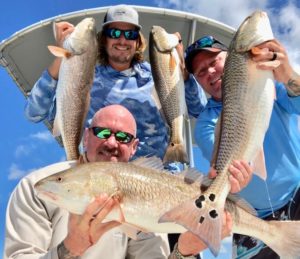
{"x": 48, "y": 195}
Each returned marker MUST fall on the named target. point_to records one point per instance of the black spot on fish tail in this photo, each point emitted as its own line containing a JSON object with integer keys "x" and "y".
{"x": 213, "y": 214}
{"x": 212, "y": 197}
{"x": 198, "y": 202}
{"x": 202, "y": 197}
{"x": 201, "y": 219}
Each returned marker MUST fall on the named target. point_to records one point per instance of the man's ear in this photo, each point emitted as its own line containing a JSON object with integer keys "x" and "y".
{"x": 134, "y": 146}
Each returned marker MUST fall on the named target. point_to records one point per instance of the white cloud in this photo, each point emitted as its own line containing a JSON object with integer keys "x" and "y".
{"x": 284, "y": 20}
{"x": 43, "y": 136}
{"x": 22, "y": 150}
{"x": 286, "y": 24}
{"x": 223, "y": 11}
{"x": 15, "y": 173}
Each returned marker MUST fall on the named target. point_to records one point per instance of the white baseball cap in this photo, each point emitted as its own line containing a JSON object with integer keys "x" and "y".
{"x": 122, "y": 13}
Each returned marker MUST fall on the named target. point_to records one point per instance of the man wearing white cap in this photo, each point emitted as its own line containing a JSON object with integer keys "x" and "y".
{"x": 121, "y": 77}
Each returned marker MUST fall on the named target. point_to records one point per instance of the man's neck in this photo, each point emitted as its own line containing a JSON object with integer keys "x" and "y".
{"x": 120, "y": 67}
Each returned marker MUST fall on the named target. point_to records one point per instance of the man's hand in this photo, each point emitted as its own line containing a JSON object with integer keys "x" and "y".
{"x": 85, "y": 230}
{"x": 241, "y": 174}
{"x": 283, "y": 73}
{"x": 190, "y": 244}
{"x": 61, "y": 30}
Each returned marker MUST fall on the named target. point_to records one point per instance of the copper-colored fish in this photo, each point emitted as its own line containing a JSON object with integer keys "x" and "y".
{"x": 166, "y": 66}
{"x": 76, "y": 75}
{"x": 248, "y": 97}
{"x": 149, "y": 196}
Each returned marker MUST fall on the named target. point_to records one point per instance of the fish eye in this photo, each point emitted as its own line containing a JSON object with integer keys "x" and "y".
{"x": 59, "y": 179}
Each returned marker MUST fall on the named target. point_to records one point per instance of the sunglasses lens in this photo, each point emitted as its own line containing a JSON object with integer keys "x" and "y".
{"x": 105, "y": 133}
{"x": 123, "y": 137}
{"x": 113, "y": 33}
{"x": 204, "y": 42}
{"x": 102, "y": 133}
{"x": 131, "y": 35}
{"x": 116, "y": 33}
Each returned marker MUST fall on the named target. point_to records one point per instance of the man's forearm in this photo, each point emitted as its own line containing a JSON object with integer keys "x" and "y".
{"x": 293, "y": 85}
{"x": 64, "y": 253}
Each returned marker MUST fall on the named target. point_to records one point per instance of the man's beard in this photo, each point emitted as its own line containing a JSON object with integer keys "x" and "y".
{"x": 121, "y": 59}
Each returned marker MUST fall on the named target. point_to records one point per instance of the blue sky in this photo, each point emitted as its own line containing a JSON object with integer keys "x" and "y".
{"x": 26, "y": 146}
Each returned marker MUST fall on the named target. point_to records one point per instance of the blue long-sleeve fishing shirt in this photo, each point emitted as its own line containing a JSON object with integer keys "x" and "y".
{"x": 281, "y": 148}
{"x": 131, "y": 88}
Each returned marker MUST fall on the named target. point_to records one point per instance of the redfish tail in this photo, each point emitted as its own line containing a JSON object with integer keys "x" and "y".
{"x": 201, "y": 219}
{"x": 176, "y": 153}
{"x": 286, "y": 239}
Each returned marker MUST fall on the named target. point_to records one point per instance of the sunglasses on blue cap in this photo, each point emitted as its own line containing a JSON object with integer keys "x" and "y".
{"x": 205, "y": 42}
{"x": 115, "y": 33}
{"x": 105, "y": 133}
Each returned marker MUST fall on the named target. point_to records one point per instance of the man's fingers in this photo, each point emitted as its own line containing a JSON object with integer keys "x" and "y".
{"x": 212, "y": 173}
{"x": 93, "y": 208}
{"x": 106, "y": 209}
{"x": 98, "y": 229}
{"x": 235, "y": 185}
{"x": 241, "y": 173}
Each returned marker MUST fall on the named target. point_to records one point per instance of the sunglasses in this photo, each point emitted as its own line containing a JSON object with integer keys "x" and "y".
{"x": 205, "y": 42}
{"x": 114, "y": 33}
{"x": 105, "y": 133}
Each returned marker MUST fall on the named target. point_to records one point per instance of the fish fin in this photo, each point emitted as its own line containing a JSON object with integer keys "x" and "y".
{"x": 132, "y": 230}
{"x": 172, "y": 63}
{"x": 285, "y": 238}
{"x": 152, "y": 162}
{"x": 270, "y": 64}
{"x": 156, "y": 100}
{"x": 259, "y": 164}
{"x": 239, "y": 201}
{"x": 217, "y": 141}
{"x": 59, "y": 52}
{"x": 192, "y": 175}
{"x": 119, "y": 208}
{"x": 56, "y": 130}
{"x": 129, "y": 231}
{"x": 176, "y": 152}
{"x": 258, "y": 51}
{"x": 199, "y": 220}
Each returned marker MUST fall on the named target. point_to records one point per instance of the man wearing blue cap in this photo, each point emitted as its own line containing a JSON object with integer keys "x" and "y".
{"x": 278, "y": 197}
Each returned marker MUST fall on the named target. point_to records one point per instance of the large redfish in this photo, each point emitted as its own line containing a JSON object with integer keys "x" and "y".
{"x": 76, "y": 75}
{"x": 148, "y": 195}
{"x": 248, "y": 96}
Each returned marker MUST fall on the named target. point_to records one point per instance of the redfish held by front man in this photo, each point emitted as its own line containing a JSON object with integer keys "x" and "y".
{"x": 153, "y": 200}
